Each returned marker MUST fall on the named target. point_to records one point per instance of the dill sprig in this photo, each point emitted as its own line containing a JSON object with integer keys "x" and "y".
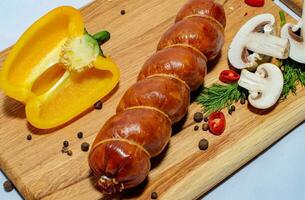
{"x": 294, "y": 74}
{"x": 218, "y": 96}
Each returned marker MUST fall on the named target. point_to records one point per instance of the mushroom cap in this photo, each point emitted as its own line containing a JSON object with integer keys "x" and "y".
{"x": 297, "y": 46}
{"x": 238, "y": 44}
{"x": 271, "y": 90}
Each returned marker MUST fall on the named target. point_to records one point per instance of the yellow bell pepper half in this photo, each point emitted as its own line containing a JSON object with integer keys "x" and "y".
{"x": 57, "y": 69}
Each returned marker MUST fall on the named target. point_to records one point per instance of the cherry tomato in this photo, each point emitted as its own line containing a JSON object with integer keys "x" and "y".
{"x": 229, "y": 76}
{"x": 217, "y": 123}
{"x": 255, "y": 3}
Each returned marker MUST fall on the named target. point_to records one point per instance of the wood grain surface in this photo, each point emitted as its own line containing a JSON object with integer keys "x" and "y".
{"x": 39, "y": 169}
{"x": 294, "y": 5}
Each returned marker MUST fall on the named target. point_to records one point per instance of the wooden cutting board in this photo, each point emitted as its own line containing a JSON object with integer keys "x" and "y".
{"x": 39, "y": 169}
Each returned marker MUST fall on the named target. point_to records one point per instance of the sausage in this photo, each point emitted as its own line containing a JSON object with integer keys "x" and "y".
{"x": 165, "y": 93}
{"x": 123, "y": 147}
{"x": 201, "y": 33}
{"x": 141, "y": 128}
{"x": 185, "y": 63}
{"x": 208, "y": 8}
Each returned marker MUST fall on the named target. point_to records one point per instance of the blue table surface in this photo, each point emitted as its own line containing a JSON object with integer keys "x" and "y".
{"x": 278, "y": 173}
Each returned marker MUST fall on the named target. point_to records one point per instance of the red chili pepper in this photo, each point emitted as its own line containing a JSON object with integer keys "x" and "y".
{"x": 228, "y": 76}
{"x": 217, "y": 123}
{"x": 255, "y": 3}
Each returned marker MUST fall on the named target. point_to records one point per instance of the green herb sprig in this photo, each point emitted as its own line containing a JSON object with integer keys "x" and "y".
{"x": 282, "y": 18}
{"x": 218, "y": 96}
{"x": 294, "y": 74}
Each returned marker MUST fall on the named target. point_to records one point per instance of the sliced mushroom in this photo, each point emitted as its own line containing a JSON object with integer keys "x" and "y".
{"x": 254, "y": 41}
{"x": 264, "y": 86}
{"x": 296, "y": 35}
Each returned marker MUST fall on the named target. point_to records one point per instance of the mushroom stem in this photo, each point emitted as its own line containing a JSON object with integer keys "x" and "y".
{"x": 264, "y": 86}
{"x": 254, "y": 83}
{"x": 267, "y": 44}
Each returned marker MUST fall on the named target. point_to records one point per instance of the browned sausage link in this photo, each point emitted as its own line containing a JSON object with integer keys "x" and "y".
{"x": 199, "y": 32}
{"x": 185, "y": 63}
{"x": 118, "y": 164}
{"x": 164, "y": 93}
{"x": 120, "y": 154}
{"x": 137, "y": 124}
{"x": 117, "y": 156}
{"x": 203, "y": 8}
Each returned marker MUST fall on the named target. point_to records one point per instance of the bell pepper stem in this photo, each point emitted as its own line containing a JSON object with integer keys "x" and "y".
{"x": 101, "y": 37}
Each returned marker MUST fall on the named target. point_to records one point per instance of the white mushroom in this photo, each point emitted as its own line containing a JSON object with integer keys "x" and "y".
{"x": 264, "y": 86}
{"x": 255, "y": 41}
{"x": 296, "y": 35}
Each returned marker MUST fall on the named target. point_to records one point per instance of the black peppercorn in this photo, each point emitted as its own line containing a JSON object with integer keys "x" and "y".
{"x": 242, "y": 101}
{"x": 154, "y": 195}
{"x": 98, "y": 105}
{"x": 196, "y": 128}
{"x": 85, "y": 146}
{"x": 8, "y": 186}
{"x": 230, "y": 111}
{"x": 198, "y": 116}
{"x": 203, "y": 144}
{"x": 233, "y": 108}
{"x": 206, "y": 119}
{"x": 66, "y": 143}
{"x": 29, "y": 137}
{"x": 80, "y": 135}
{"x": 123, "y": 12}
